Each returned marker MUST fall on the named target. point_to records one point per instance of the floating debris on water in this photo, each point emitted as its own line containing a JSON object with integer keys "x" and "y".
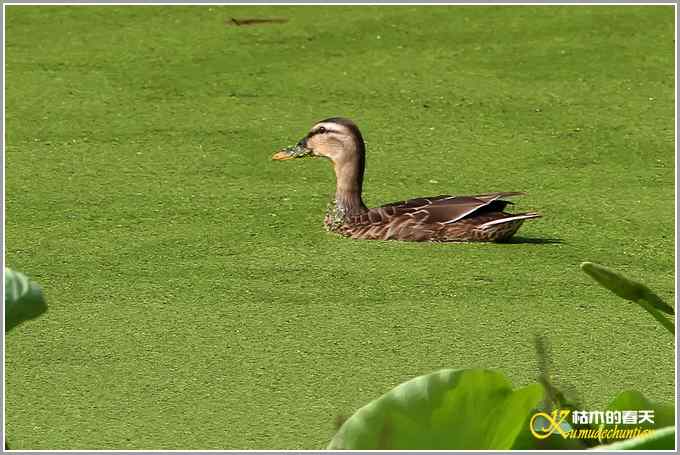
{"x": 256, "y": 21}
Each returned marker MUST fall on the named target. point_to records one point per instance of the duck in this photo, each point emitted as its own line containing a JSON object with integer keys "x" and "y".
{"x": 443, "y": 218}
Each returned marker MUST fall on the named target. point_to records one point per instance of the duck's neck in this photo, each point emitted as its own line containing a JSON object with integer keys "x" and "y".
{"x": 349, "y": 178}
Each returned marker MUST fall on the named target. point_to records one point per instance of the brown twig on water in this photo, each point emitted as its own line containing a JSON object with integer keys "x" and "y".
{"x": 256, "y": 21}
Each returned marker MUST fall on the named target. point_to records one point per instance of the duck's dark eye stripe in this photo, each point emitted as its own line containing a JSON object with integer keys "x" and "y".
{"x": 322, "y": 130}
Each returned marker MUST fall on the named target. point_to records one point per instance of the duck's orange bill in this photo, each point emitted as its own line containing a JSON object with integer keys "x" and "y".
{"x": 297, "y": 151}
{"x": 283, "y": 155}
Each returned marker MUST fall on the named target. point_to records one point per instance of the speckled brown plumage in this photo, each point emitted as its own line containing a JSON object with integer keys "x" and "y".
{"x": 444, "y": 218}
{"x": 438, "y": 219}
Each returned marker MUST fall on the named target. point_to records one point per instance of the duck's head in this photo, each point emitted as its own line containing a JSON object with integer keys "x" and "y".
{"x": 337, "y": 139}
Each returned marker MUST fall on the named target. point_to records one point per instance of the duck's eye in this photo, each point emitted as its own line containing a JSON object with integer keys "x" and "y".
{"x": 321, "y": 130}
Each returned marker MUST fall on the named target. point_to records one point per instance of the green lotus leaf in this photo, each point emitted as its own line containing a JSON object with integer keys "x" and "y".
{"x": 23, "y": 299}
{"x": 625, "y": 287}
{"x": 632, "y": 400}
{"x": 631, "y": 290}
{"x": 448, "y": 409}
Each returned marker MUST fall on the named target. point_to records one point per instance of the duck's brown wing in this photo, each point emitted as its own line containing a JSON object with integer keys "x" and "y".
{"x": 439, "y": 218}
{"x": 443, "y": 209}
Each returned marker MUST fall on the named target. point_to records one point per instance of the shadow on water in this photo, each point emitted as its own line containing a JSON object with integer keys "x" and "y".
{"x": 534, "y": 240}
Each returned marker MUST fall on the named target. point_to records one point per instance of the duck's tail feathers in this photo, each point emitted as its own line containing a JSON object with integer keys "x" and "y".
{"x": 509, "y": 219}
